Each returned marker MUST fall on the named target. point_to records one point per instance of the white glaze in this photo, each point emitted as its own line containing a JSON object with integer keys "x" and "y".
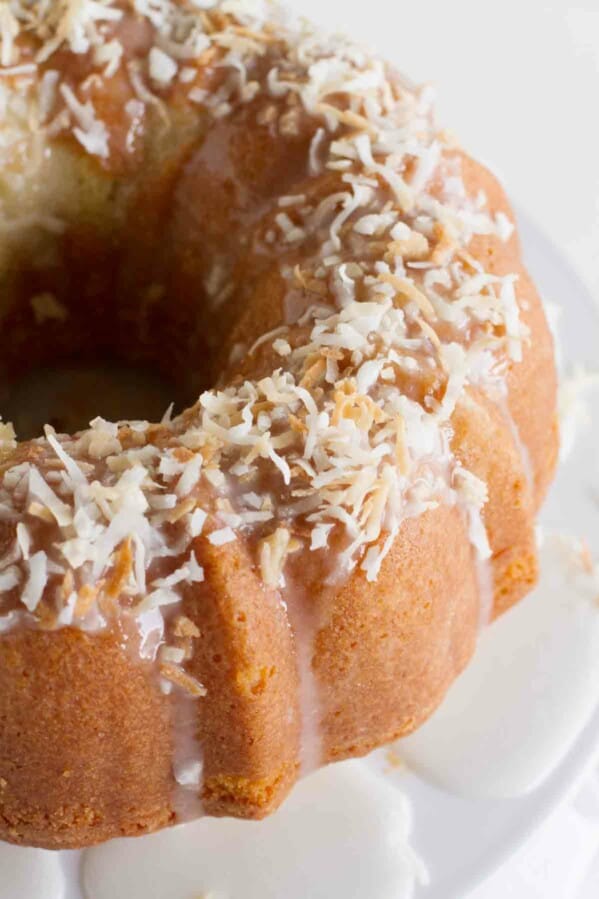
{"x": 30, "y": 874}
{"x": 513, "y": 715}
{"x": 305, "y": 628}
{"x": 343, "y": 832}
{"x": 310, "y": 756}
{"x": 486, "y": 590}
{"x": 187, "y": 758}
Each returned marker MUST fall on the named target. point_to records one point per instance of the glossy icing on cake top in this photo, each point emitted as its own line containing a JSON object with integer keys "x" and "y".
{"x": 338, "y": 438}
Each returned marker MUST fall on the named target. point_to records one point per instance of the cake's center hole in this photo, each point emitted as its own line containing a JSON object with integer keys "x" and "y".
{"x": 69, "y": 396}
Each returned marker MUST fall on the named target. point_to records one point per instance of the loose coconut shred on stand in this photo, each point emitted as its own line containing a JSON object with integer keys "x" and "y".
{"x": 347, "y": 433}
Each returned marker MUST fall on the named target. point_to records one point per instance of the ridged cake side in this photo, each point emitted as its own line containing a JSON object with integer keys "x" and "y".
{"x": 293, "y": 570}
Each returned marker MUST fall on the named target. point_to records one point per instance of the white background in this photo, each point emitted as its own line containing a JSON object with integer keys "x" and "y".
{"x": 518, "y": 82}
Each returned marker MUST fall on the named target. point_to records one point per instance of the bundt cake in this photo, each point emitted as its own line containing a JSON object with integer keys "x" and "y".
{"x": 294, "y": 569}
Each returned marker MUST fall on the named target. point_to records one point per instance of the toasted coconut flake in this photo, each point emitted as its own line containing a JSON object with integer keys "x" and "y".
{"x": 184, "y": 627}
{"x": 39, "y": 488}
{"x": 87, "y": 596}
{"x": 37, "y": 579}
{"x": 37, "y": 510}
{"x": 91, "y": 133}
{"x": 408, "y": 289}
{"x": 272, "y": 553}
{"x": 347, "y": 117}
{"x": 180, "y": 678}
{"x": 222, "y": 536}
{"x": 122, "y": 570}
{"x": 162, "y": 67}
{"x": 10, "y": 578}
{"x": 196, "y": 524}
{"x": 180, "y": 511}
{"x": 320, "y": 536}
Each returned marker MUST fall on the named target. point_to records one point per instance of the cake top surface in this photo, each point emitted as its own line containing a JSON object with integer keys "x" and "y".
{"x": 346, "y": 432}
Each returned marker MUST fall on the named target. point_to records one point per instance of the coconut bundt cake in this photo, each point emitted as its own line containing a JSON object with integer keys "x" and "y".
{"x": 294, "y": 569}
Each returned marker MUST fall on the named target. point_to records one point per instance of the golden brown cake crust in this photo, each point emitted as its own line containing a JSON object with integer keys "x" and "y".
{"x": 85, "y": 741}
{"x": 384, "y": 661}
{"x": 254, "y": 611}
{"x": 249, "y": 725}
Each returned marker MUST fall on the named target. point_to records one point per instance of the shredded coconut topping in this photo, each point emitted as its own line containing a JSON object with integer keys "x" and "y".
{"x": 350, "y": 430}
